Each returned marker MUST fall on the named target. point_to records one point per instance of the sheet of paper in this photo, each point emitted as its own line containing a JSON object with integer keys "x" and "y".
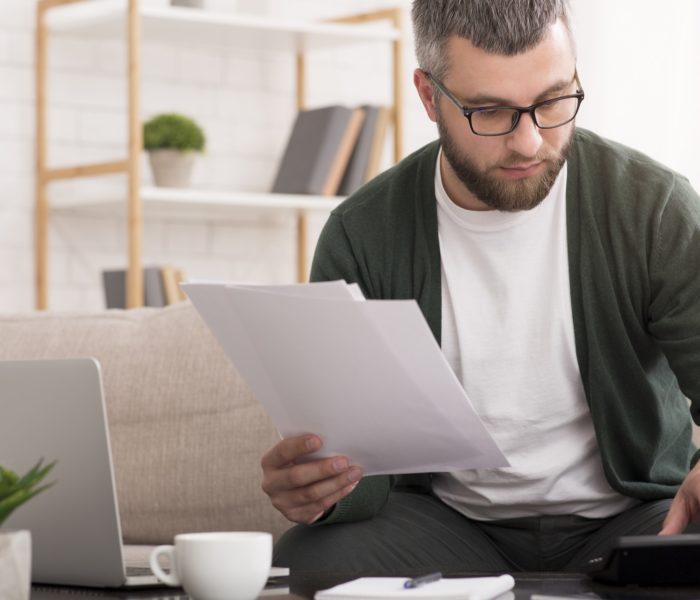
{"x": 368, "y": 377}
{"x": 391, "y": 588}
{"x": 320, "y": 289}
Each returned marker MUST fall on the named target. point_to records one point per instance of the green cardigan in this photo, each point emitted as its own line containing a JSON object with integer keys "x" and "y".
{"x": 634, "y": 246}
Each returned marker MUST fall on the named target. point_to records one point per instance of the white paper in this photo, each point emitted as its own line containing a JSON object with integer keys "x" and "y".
{"x": 390, "y": 588}
{"x": 564, "y": 596}
{"x": 367, "y": 377}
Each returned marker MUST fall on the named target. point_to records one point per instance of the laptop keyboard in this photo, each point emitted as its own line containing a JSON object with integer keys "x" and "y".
{"x": 138, "y": 571}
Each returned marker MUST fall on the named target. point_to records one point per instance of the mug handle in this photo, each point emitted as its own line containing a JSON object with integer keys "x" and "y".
{"x": 167, "y": 578}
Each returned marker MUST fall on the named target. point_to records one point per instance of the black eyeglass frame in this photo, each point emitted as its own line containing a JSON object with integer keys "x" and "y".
{"x": 520, "y": 110}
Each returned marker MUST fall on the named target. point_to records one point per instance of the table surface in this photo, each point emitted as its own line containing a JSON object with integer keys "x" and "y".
{"x": 303, "y": 586}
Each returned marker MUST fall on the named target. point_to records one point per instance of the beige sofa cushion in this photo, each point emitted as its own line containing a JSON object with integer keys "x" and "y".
{"x": 186, "y": 433}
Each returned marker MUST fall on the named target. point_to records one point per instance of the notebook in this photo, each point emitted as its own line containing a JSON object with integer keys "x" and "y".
{"x": 393, "y": 588}
{"x": 55, "y": 410}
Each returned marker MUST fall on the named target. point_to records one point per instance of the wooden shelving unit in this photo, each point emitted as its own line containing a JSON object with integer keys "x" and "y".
{"x": 105, "y": 19}
{"x": 177, "y": 203}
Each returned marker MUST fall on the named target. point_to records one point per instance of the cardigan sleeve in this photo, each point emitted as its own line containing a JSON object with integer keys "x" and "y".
{"x": 674, "y": 310}
{"x": 335, "y": 257}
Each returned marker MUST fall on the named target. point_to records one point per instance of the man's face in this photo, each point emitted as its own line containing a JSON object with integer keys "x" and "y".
{"x": 514, "y": 171}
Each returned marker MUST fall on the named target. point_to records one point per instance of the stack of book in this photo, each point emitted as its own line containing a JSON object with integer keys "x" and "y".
{"x": 161, "y": 286}
{"x": 332, "y": 150}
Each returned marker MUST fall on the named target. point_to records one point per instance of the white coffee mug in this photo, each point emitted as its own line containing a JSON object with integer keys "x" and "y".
{"x": 217, "y": 566}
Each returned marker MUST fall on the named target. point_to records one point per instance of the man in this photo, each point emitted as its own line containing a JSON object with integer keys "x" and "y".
{"x": 557, "y": 270}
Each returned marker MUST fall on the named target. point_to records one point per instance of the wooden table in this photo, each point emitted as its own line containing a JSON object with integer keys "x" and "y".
{"x": 303, "y": 586}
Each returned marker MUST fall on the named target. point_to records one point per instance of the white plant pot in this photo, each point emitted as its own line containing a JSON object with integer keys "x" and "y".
{"x": 188, "y": 3}
{"x": 171, "y": 168}
{"x": 15, "y": 565}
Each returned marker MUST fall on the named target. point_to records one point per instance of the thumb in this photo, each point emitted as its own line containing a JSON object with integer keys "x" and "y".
{"x": 677, "y": 517}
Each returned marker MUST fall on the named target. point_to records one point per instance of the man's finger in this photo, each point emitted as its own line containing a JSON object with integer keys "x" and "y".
{"x": 322, "y": 494}
{"x": 312, "y": 512}
{"x": 302, "y": 477}
{"x": 677, "y": 518}
{"x": 288, "y": 450}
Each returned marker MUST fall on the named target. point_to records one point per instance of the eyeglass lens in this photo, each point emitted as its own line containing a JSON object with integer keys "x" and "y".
{"x": 502, "y": 120}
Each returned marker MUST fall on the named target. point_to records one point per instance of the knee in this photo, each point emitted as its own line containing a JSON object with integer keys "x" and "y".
{"x": 357, "y": 547}
{"x": 304, "y": 548}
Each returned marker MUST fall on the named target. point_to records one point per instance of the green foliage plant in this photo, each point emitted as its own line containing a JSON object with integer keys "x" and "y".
{"x": 15, "y": 490}
{"x": 173, "y": 131}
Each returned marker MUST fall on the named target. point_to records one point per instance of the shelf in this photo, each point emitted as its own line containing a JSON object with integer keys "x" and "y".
{"x": 119, "y": 20}
{"x": 106, "y": 19}
{"x": 179, "y": 204}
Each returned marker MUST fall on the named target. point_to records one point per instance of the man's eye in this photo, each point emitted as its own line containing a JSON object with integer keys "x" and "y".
{"x": 553, "y": 105}
{"x": 491, "y": 114}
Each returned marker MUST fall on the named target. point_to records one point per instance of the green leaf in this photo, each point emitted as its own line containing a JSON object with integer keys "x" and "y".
{"x": 173, "y": 131}
{"x": 8, "y": 504}
{"x": 7, "y": 480}
{"x": 15, "y": 491}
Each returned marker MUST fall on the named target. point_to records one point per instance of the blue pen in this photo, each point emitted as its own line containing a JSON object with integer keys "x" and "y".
{"x": 419, "y": 581}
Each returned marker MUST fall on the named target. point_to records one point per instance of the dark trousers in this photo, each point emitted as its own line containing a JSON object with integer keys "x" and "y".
{"x": 419, "y": 532}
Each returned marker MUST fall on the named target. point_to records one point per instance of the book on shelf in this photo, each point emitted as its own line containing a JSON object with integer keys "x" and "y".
{"x": 318, "y": 150}
{"x": 366, "y": 155}
{"x": 171, "y": 279}
{"x": 378, "y": 140}
{"x": 160, "y": 287}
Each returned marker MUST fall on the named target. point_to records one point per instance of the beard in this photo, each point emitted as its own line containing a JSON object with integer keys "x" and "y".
{"x": 497, "y": 193}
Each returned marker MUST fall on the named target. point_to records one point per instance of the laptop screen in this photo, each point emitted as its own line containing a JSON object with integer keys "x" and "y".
{"x": 54, "y": 409}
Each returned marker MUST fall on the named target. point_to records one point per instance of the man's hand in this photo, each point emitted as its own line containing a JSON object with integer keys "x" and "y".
{"x": 303, "y": 492}
{"x": 685, "y": 507}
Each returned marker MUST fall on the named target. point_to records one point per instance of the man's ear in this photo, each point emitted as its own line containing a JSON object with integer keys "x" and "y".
{"x": 425, "y": 92}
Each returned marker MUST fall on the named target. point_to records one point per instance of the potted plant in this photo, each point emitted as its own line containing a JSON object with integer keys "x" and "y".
{"x": 15, "y": 546}
{"x": 171, "y": 141}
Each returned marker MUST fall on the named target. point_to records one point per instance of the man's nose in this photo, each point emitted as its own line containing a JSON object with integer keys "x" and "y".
{"x": 526, "y": 138}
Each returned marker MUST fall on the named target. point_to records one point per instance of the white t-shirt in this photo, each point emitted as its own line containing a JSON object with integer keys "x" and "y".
{"x": 507, "y": 331}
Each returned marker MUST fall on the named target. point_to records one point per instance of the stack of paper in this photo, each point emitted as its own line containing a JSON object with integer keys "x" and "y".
{"x": 368, "y": 377}
{"x": 392, "y": 588}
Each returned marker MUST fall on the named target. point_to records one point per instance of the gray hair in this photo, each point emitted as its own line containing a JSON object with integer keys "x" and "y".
{"x": 505, "y": 27}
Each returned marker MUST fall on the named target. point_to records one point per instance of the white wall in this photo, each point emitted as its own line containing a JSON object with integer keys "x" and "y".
{"x": 629, "y": 51}
{"x": 639, "y": 63}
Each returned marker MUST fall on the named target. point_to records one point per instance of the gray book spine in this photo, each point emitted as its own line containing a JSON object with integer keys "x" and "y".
{"x": 154, "y": 294}
{"x": 311, "y": 150}
{"x": 356, "y": 172}
{"x": 114, "y": 283}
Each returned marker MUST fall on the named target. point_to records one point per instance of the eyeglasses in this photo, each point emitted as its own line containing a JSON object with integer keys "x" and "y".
{"x": 501, "y": 120}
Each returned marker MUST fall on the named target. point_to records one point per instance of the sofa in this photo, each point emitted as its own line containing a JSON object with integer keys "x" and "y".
{"x": 186, "y": 433}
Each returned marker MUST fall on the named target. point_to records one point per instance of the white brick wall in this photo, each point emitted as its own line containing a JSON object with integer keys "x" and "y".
{"x": 245, "y": 101}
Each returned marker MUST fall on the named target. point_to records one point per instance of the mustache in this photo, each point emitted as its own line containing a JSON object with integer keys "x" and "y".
{"x": 515, "y": 160}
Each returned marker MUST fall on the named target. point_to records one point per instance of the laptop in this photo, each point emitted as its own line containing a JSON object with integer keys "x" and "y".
{"x": 55, "y": 410}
